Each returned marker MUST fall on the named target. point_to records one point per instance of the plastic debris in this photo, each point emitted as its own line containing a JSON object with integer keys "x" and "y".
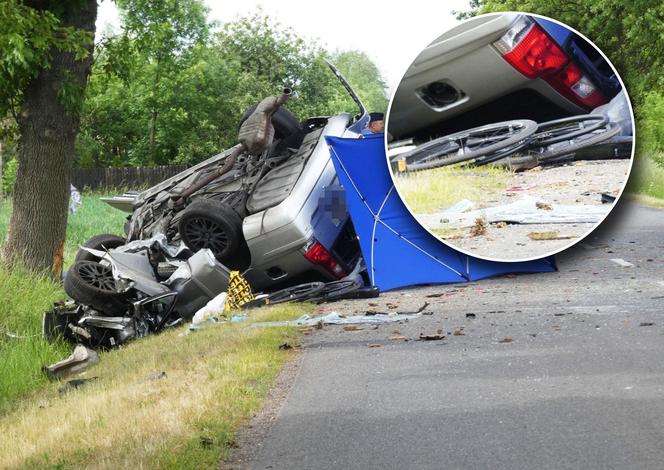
{"x": 77, "y": 362}
{"x": 549, "y": 235}
{"x": 210, "y": 312}
{"x": 523, "y": 211}
{"x": 335, "y": 318}
{"x": 621, "y": 262}
{"x": 431, "y": 337}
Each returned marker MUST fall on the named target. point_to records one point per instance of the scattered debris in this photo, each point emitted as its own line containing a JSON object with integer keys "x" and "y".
{"x": 607, "y": 198}
{"x": 479, "y": 228}
{"x": 285, "y": 346}
{"x": 434, "y": 337}
{"x": 506, "y": 340}
{"x": 392, "y": 306}
{"x": 374, "y": 345}
{"x": 518, "y": 189}
{"x": 621, "y": 262}
{"x": 501, "y": 224}
{"x": 543, "y": 205}
{"x": 397, "y": 336}
{"x": 458, "y": 333}
{"x": 414, "y": 312}
{"x": 77, "y": 362}
{"x": 352, "y": 328}
{"x": 522, "y": 211}
{"x": 74, "y": 384}
{"x": 549, "y": 235}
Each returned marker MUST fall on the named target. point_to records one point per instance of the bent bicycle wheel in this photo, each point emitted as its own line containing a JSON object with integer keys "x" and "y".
{"x": 470, "y": 144}
{"x": 296, "y": 293}
{"x": 599, "y": 136}
{"x": 560, "y": 130}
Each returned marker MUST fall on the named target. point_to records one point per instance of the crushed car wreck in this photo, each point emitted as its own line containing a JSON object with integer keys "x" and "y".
{"x": 266, "y": 214}
{"x": 270, "y": 207}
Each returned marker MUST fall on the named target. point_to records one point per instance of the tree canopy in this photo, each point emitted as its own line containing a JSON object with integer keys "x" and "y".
{"x": 173, "y": 91}
{"x": 631, "y": 34}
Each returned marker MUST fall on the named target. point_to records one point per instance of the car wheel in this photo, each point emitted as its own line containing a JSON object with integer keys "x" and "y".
{"x": 214, "y": 225}
{"x": 102, "y": 242}
{"x": 91, "y": 283}
{"x": 284, "y": 122}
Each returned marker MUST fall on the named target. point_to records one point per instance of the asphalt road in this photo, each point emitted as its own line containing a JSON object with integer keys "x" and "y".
{"x": 556, "y": 371}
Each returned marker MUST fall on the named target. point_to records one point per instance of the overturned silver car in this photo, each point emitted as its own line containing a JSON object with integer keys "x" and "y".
{"x": 271, "y": 207}
{"x": 276, "y": 212}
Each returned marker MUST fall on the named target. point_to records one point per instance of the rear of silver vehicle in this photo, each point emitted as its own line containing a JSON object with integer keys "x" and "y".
{"x": 465, "y": 70}
{"x": 306, "y": 234}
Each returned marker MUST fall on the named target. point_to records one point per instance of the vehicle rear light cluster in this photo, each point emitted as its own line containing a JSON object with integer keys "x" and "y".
{"x": 531, "y": 51}
{"x": 318, "y": 254}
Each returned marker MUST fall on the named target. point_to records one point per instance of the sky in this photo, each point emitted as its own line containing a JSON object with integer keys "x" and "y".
{"x": 391, "y": 35}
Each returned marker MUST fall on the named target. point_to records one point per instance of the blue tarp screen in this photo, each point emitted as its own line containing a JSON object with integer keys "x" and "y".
{"x": 397, "y": 250}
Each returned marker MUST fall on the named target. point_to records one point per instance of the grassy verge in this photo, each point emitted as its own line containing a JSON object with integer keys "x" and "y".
{"x": 25, "y": 296}
{"x": 92, "y": 218}
{"x": 432, "y": 190}
{"x": 646, "y": 183}
{"x": 215, "y": 379}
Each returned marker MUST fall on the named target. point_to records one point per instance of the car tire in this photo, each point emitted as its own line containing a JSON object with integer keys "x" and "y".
{"x": 91, "y": 283}
{"x": 284, "y": 122}
{"x": 102, "y": 242}
{"x": 207, "y": 223}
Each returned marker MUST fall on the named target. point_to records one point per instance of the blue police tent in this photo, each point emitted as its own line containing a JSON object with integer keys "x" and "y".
{"x": 397, "y": 250}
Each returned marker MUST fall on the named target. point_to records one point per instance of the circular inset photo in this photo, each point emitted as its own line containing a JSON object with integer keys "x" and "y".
{"x": 510, "y": 137}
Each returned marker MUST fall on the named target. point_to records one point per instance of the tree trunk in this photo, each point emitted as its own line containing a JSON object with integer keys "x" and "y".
{"x": 48, "y": 131}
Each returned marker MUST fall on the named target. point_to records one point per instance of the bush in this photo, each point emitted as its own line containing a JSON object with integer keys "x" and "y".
{"x": 651, "y": 121}
{"x": 9, "y": 176}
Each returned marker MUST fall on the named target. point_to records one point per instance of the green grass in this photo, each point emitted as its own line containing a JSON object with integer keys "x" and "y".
{"x": 216, "y": 378}
{"x": 646, "y": 183}
{"x": 92, "y": 218}
{"x": 24, "y": 297}
{"x": 432, "y": 190}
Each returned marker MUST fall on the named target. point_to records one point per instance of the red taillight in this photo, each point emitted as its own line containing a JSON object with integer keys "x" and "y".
{"x": 536, "y": 55}
{"x": 571, "y": 83}
{"x": 317, "y": 254}
{"x": 531, "y": 51}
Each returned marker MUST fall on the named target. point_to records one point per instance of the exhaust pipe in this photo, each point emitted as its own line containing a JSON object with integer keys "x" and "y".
{"x": 256, "y": 134}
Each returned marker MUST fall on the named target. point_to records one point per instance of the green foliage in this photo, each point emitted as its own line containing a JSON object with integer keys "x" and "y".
{"x": 651, "y": 136}
{"x": 365, "y": 78}
{"x": 25, "y": 296}
{"x": 181, "y": 103}
{"x": 9, "y": 176}
{"x": 26, "y": 36}
{"x": 629, "y": 33}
